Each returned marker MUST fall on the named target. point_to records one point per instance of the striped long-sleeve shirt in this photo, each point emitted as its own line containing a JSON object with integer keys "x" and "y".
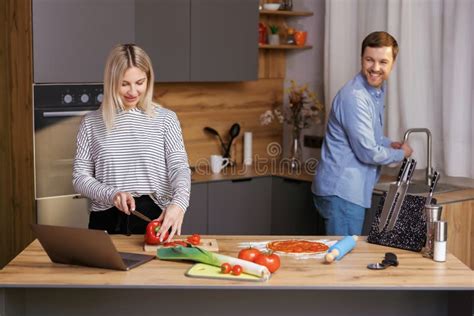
{"x": 140, "y": 155}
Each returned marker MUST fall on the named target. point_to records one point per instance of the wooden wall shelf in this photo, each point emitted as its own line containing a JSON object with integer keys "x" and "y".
{"x": 286, "y": 13}
{"x": 266, "y": 46}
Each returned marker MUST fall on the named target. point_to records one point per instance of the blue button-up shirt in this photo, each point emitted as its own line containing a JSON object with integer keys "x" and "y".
{"x": 354, "y": 146}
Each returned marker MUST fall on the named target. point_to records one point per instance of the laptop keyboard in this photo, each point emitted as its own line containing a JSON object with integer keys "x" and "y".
{"x": 132, "y": 258}
{"x": 129, "y": 262}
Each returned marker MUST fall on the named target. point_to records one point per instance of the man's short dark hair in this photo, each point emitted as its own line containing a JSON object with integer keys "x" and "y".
{"x": 380, "y": 39}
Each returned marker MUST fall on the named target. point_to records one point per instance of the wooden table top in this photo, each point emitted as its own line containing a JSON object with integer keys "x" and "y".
{"x": 32, "y": 268}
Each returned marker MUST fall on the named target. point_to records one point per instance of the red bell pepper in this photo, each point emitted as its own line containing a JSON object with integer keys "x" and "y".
{"x": 152, "y": 229}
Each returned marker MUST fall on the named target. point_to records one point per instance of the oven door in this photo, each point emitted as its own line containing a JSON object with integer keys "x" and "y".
{"x": 55, "y": 148}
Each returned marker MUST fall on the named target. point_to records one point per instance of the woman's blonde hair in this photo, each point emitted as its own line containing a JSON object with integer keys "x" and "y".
{"x": 121, "y": 58}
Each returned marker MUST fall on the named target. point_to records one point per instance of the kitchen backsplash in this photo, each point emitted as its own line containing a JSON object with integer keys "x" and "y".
{"x": 219, "y": 105}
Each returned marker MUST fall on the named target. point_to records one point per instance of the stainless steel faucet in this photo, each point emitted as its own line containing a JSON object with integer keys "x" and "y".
{"x": 429, "y": 168}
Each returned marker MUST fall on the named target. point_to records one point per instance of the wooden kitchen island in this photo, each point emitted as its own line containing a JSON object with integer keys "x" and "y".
{"x": 32, "y": 285}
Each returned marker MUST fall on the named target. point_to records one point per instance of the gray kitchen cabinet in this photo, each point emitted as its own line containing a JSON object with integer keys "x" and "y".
{"x": 187, "y": 40}
{"x": 195, "y": 220}
{"x": 163, "y": 31}
{"x": 240, "y": 207}
{"x": 71, "y": 39}
{"x": 224, "y": 37}
{"x": 293, "y": 211}
{"x": 370, "y": 213}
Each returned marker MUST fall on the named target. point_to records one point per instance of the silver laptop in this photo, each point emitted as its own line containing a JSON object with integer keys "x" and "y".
{"x": 85, "y": 247}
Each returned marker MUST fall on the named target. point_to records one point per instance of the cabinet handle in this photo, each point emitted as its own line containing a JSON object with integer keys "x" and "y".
{"x": 79, "y": 196}
{"x": 65, "y": 113}
{"x": 242, "y": 180}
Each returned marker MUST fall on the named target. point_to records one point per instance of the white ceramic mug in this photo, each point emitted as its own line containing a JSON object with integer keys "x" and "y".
{"x": 218, "y": 163}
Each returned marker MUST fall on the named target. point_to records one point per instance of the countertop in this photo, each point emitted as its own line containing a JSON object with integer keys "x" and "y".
{"x": 33, "y": 269}
{"x": 202, "y": 174}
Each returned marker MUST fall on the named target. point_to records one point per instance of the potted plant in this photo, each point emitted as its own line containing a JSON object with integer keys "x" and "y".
{"x": 274, "y": 37}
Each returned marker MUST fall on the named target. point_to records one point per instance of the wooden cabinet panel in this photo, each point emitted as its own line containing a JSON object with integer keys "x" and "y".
{"x": 460, "y": 218}
{"x": 195, "y": 220}
{"x": 240, "y": 207}
{"x": 293, "y": 212}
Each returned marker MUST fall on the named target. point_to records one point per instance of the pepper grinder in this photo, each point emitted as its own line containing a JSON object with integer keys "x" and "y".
{"x": 440, "y": 237}
{"x": 432, "y": 215}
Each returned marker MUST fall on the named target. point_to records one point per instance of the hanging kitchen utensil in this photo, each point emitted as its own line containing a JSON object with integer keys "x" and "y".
{"x": 212, "y": 131}
{"x": 390, "y": 197}
{"x": 434, "y": 182}
{"x": 400, "y": 195}
{"x": 233, "y": 133}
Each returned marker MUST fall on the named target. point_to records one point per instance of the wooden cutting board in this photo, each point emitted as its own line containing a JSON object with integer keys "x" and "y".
{"x": 202, "y": 270}
{"x": 206, "y": 244}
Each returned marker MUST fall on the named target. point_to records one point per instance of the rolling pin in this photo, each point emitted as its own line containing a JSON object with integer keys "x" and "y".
{"x": 339, "y": 249}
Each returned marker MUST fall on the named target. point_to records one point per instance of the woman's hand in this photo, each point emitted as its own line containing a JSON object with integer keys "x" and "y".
{"x": 125, "y": 202}
{"x": 172, "y": 218}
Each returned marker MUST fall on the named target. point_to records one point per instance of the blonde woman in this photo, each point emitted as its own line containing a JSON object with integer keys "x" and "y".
{"x": 130, "y": 152}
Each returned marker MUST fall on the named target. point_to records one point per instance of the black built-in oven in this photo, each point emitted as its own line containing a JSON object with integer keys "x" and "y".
{"x": 58, "y": 111}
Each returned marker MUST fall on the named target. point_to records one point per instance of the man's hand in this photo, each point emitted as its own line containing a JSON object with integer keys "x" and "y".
{"x": 396, "y": 145}
{"x": 125, "y": 202}
{"x": 407, "y": 150}
{"x": 171, "y": 217}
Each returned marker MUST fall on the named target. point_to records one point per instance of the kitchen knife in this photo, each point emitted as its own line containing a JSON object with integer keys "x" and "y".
{"x": 434, "y": 181}
{"x": 400, "y": 195}
{"x": 390, "y": 199}
{"x": 140, "y": 215}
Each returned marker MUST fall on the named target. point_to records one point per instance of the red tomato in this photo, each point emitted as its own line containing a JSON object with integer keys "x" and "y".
{"x": 236, "y": 270}
{"x": 225, "y": 268}
{"x": 271, "y": 261}
{"x": 249, "y": 254}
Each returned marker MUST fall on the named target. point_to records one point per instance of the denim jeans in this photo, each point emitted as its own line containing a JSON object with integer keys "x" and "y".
{"x": 341, "y": 217}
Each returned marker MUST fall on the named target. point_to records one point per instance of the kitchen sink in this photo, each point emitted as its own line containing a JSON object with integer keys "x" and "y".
{"x": 420, "y": 187}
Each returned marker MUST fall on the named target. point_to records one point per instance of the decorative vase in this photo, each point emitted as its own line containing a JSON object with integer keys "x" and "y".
{"x": 274, "y": 39}
{"x": 296, "y": 151}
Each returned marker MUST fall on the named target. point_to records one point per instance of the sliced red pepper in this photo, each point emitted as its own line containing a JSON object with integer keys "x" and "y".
{"x": 194, "y": 239}
{"x": 175, "y": 243}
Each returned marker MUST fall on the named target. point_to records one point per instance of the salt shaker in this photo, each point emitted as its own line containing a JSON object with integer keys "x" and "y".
{"x": 440, "y": 237}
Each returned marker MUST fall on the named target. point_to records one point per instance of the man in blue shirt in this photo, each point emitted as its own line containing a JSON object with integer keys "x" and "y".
{"x": 354, "y": 146}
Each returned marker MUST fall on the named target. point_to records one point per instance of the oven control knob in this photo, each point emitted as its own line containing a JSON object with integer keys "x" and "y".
{"x": 67, "y": 98}
{"x": 84, "y": 98}
{"x": 100, "y": 97}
